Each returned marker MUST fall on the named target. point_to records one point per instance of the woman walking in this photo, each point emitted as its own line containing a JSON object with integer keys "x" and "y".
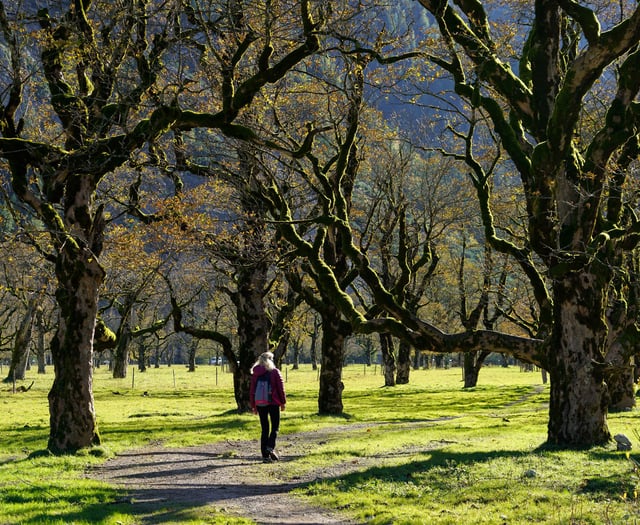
{"x": 267, "y": 398}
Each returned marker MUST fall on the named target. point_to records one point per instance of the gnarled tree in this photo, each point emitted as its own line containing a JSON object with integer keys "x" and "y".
{"x": 110, "y": 97}
{"x": 573, "y": 175}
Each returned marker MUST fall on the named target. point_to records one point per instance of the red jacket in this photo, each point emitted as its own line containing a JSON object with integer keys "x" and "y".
{"x": 278, "y": 396}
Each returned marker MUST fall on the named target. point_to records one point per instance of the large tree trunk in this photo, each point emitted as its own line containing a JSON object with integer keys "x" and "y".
{"x": 470, "y": 371}
{"x": 472, "y": 365}
{"x": 71, "y": 408}
{"x": 404, "y": 363}
{"x": 120, "y": 361}
{"x": 388, "y": 359}
{"x": 253, "y": 328}
{"x": 334, "y": 334}
{"x": 578, "y": 398}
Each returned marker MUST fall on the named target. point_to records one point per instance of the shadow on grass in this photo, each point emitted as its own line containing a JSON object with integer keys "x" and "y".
{"x": 49, "y": 504}
{"x": 459, "y": 400}
{"x": 111, "y": 504}
{"x": 159, "y": 428}
{"x": 436, "y": 459}
{"x": 172, "y": 492}
{"x": 26, "y": 438}
{"x": 345, "y": 416}
{"x": 449, "y": 467}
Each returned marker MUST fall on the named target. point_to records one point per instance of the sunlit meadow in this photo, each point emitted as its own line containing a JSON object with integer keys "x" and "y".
{"x": 431, "y": 452}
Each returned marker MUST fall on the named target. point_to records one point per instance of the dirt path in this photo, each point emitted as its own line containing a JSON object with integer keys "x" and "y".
{"x": 230, "y": 480}
{"x": 228, "y": 475}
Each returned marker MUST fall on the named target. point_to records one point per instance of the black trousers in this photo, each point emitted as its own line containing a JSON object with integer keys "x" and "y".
{"x": 268, "y": 414}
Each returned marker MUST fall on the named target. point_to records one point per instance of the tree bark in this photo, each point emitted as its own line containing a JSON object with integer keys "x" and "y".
{"x": 473, "y": 362}
{"x": 334, "y": 334}
{"x": 71, "y": 407}
{"x": 121, "y": 352}
{"x": 388, "y": 359}
{"x": 404, "y": 363}
{"x": 578, "y": 396}
{"x": 253, "y": 327}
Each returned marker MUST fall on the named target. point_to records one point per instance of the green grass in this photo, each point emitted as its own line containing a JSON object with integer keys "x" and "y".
{"x": 430, "y": 452}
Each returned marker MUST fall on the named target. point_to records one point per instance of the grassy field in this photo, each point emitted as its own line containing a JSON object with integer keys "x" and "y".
{"x": 471, "y": 456}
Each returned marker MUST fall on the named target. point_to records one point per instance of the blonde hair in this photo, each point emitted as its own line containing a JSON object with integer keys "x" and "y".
{"x": 266, "y": 360}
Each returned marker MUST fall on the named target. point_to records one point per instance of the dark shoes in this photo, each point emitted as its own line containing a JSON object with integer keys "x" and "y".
{"x": 270, "y": 457}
